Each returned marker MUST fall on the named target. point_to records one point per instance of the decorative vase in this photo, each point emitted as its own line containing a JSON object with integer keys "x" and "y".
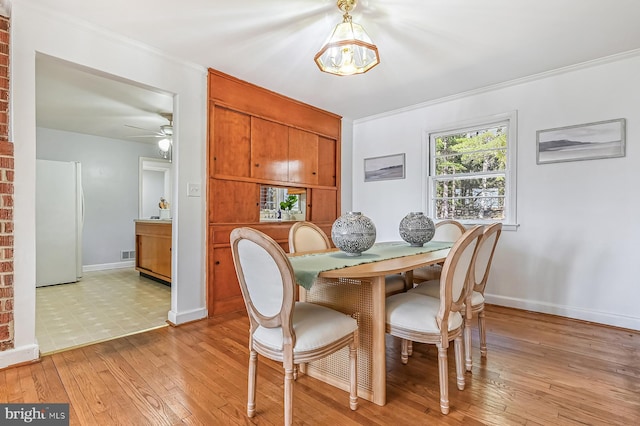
{"x": 417, "y": 229}
{"x": 353, "y": 233}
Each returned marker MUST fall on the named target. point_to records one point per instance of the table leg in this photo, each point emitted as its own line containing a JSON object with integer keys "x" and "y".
{"x": 379, "y": 367}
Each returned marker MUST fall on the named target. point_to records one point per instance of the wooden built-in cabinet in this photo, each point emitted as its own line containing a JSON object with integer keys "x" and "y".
{"x": 153, "y": 249}
{"x": 258, "y": 137}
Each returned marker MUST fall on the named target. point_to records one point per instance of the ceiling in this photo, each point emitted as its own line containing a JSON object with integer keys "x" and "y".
{"x": 429, "y": 49}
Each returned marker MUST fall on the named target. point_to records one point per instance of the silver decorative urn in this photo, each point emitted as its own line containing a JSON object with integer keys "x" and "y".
{"x": 353, "y": 233}
{"x": 417, "y": 229}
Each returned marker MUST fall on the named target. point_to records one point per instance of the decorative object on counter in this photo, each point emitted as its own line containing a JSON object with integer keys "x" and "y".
{"x": 417, "y": 229}
{"x": 165, "y": 213}
{"x": 287, "y": 205}
{"x": 353, "y": 233}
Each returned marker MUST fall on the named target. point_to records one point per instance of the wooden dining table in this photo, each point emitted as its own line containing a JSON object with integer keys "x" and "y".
{"x": 359, "y": 291}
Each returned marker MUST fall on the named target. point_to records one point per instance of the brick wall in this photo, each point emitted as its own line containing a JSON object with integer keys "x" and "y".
{"x": 6, "y": 196}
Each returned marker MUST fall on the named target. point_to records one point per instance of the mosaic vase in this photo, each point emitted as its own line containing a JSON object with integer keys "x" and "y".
{"x": 353, "y": 233}
{"x": 417, "y": 229}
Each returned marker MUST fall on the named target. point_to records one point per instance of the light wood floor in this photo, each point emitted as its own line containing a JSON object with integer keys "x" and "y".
{"x": 540, "y": 370}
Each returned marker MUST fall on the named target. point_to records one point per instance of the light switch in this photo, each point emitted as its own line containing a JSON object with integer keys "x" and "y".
{"x": 193, "y": 189}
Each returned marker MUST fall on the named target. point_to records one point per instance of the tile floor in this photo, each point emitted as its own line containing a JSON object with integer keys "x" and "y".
{"x": 101, "y": 306}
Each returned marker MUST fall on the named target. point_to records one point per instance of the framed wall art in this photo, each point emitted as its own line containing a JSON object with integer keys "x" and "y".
{"x": 384, "y": 168}
{"x": 602, "y": 139}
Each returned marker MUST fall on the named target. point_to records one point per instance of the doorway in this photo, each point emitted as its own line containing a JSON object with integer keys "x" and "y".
{"x": 107, "y": 124}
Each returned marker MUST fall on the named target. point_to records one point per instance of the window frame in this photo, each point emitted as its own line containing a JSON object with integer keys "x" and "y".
{"x": 509, "y": 120}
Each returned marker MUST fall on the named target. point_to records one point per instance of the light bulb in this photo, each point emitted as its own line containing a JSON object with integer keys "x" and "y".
{"x": 164, "y": 145}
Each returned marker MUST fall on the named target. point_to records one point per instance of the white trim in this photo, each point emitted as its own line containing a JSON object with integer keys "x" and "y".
{"x": 19, "y": 355}
{"x": 515, "y": 82}
{"x": 178, "y": 318}
{"x": 107, "y": 266}
{"x": 607, "y": 318}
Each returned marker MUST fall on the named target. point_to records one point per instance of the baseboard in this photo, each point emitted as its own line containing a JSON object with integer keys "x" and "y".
{"x": 177, "y": 318}
{"x": 18, "y": 356}
{"x": 623, "y": 321}
{"x": 106, "y": 266}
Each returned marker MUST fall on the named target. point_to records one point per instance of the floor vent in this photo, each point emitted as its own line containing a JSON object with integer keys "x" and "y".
{"x": 127, "y": 255}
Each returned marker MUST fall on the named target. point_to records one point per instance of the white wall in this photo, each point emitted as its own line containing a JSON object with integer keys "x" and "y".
{"x": 36, "y": 30}
{"x": 110, "y": 186}
{"x": 575, "y": 253}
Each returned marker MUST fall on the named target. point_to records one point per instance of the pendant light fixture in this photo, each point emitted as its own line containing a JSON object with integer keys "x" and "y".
{"x": 349, "y": 49}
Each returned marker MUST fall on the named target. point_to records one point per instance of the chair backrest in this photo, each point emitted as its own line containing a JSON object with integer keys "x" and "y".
{"x": 448, "y": 230}
{"x": 484, "y": 257}
{"x": 266, "y": 279}
{"x": 306, "y": 236}
{"x": 458, "y": 274}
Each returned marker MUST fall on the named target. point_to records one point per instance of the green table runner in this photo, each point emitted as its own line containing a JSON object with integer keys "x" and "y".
{"x": 307, "y": 267}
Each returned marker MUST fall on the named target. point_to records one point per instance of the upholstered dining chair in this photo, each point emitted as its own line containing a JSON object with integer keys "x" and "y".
{"x": 282, "y": 329}
{"x": 484, "y": 258}
{"x": 415, "y": 317}
{"x": 446, "y": 230}
{"x": 307, "y": 236}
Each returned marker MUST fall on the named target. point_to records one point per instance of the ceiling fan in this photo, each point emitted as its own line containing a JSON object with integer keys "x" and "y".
{"x": 165, "y": 133}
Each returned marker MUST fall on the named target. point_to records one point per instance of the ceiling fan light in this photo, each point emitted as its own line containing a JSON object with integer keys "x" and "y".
{"x": 164, "y": 145}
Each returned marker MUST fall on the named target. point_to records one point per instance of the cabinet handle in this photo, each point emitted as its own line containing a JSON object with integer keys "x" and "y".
{"x": 313, "y": 173}
{"x": 257, "y": 164}
{"x": 217, "y": 262}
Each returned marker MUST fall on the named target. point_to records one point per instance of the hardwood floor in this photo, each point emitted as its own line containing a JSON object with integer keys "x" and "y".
{"x": 540, "y": 370}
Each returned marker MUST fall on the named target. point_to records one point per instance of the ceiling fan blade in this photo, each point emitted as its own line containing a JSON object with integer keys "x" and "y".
{"x": 146, "y": 130}
{"x": 148, "y": 136}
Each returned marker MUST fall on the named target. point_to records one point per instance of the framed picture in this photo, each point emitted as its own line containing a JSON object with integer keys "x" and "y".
{"x": 602, "y": 139}
{"x": 384, "y": 168}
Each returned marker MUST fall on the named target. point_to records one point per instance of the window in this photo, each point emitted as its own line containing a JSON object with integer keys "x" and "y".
{"x": 472, "y": 171}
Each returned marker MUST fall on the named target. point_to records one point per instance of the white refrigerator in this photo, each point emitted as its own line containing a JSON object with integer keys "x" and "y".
{"x": 59, "y": 221}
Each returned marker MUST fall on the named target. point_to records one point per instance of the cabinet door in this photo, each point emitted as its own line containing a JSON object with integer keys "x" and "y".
{"x": 326, "y": 162}
{"x": 323, "y": 205}
{"x": 303, "y": 157}
{"x": 231, "y": 139}
{"x": 223, "y": 288}
{"x": 233, "y": 201}
{"x": 154, "y": 256}
{"x": 269, "y": 150}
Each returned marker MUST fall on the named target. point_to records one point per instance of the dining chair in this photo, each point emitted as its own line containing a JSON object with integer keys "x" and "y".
{"x": 307, "y": 236}
{"x": 484, "y": 258}
{"x": 446, "y": 230}
{"x": 415, "y": 317}
{"x": 282, "y": 329}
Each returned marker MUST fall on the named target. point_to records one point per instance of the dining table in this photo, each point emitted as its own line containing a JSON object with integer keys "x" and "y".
{"x": 355, "y": 285}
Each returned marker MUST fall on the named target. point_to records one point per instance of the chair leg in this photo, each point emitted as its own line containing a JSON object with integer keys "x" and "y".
{"x": 410, "y": 348}
{"x": 251, "y": 394}
{"x": 444, "y": 379}
{"x": 353, "y": 375}
{"x": 483, "y": 334}
{"x": 404, "y": 351}
{"x": 288, "y": 395}
{"x": 459, "y": 349}
{"x": 468, "y": 362}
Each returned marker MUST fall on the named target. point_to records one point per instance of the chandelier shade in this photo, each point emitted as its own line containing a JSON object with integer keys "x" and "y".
{"x": 349, "y": 49}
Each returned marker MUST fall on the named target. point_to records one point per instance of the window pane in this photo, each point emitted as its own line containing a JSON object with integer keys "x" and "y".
{"x": 481, "y": 139}
{"x": 473, "y": 162}
{"x": 486, "y": 208}
{"x": 474, "y": 187}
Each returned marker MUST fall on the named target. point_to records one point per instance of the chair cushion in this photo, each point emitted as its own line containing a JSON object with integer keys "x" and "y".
{"x": 427, "y": 273}
{"x": 417, "y": 312}
{"x": 432, "y": 288}
{"x": 315, "y": 326}
{"x": 394, "y": 283}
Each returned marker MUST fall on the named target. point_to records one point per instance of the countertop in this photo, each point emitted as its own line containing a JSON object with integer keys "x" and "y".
{"x": 152, "y": 220}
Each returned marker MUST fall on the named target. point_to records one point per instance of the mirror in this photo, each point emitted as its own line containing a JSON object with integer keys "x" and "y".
{"x": 154, "y": 184}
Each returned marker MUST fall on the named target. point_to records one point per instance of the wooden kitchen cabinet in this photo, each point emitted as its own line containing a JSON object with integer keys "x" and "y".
{"x": 153, "y": 249}
{"x": 234, "y": 202}
{"x": 303, "y": 157}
